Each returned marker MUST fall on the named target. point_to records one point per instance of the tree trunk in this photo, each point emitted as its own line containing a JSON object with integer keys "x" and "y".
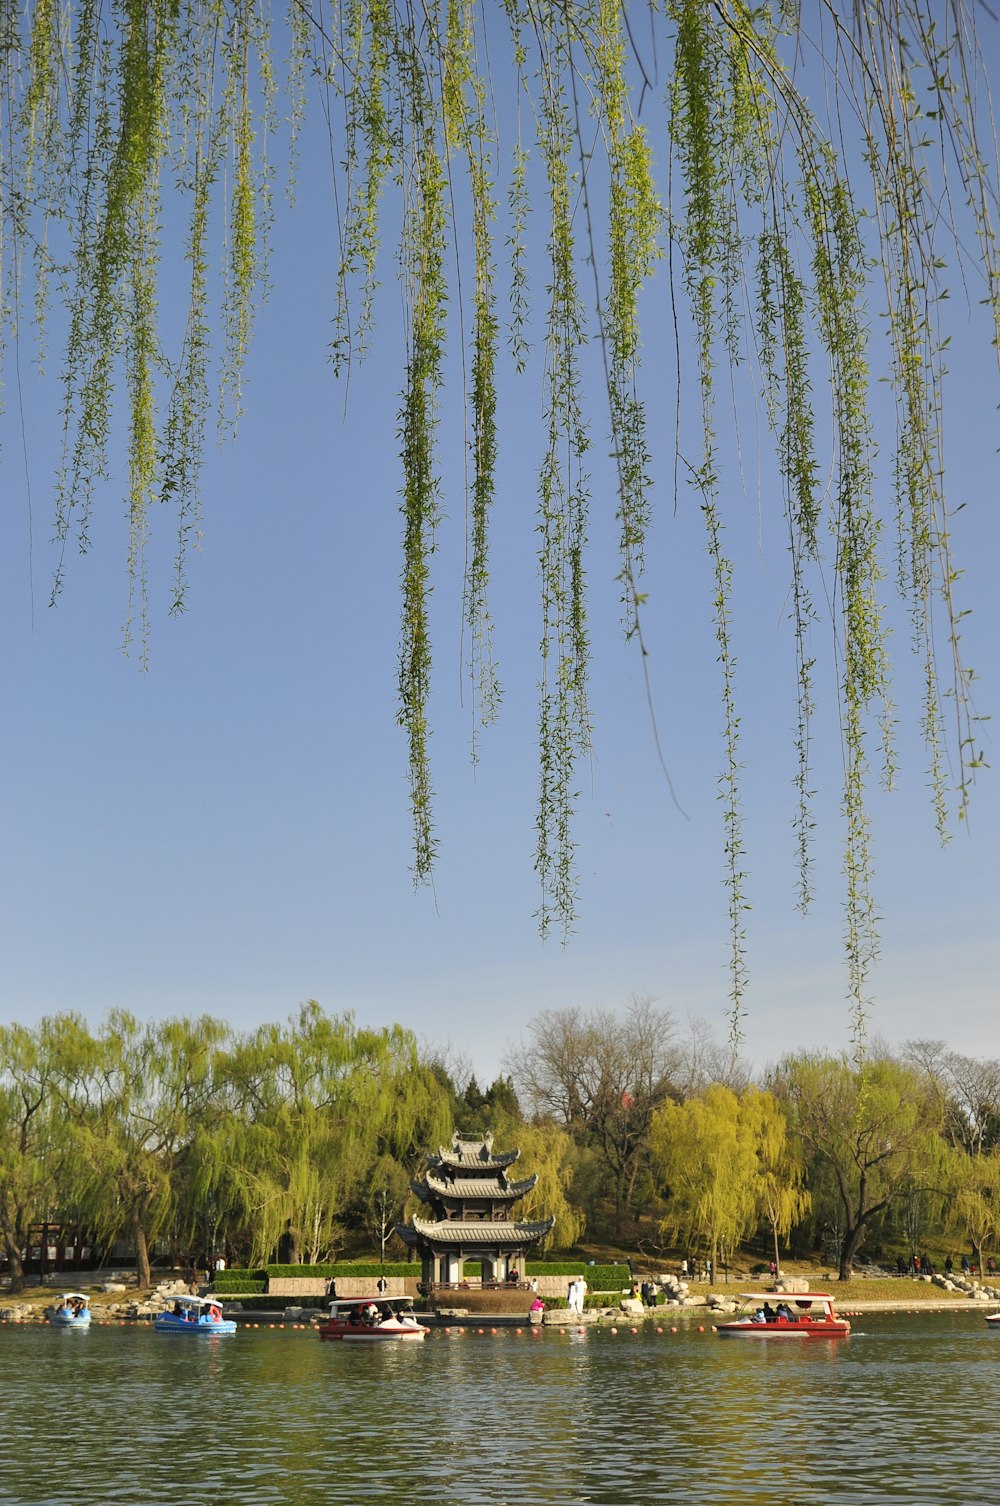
{"x": 849, "y": 1248}
{"x": 142, "y": 1272}
{"x": 14, "y": 1262}
{"x": 619, "y": 1218}
{"x": 289, "y": 1249}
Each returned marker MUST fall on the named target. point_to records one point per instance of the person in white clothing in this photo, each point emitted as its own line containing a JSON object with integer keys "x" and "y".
{"x": 576, "y": 1294}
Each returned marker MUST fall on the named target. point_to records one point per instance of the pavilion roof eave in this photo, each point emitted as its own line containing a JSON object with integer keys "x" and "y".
{"x": 453, "y": 1232}
{"x": 475, "y": 1188}
{"x": 472, "y": 1162}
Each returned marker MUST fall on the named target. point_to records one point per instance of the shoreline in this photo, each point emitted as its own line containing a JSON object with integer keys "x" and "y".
{"x": 918, "y": 1304}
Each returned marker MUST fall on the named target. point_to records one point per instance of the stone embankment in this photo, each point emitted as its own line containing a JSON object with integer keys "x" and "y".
{"x": 959, "y": 1292}
{"x": 113, "y": 1311}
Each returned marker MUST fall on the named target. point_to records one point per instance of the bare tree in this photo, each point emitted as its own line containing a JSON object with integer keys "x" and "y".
{"x": 968, "y": 1087}
{"x": 703, "y": 1060}
{"x": 602, "y": 1076}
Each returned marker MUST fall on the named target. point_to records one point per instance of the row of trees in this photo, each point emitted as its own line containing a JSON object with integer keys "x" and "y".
{"x": 186, "y": 1134}
{"x": 303, "y": 1137}
{"x": 182, "y": 1131}
{"x": 899, "y": 1148}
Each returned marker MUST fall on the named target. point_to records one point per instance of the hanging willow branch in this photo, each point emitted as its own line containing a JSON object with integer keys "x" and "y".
{"x": 794, "y": 228}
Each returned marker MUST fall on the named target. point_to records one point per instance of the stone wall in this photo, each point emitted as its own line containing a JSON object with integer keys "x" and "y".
{"x": 347, "y": 1286}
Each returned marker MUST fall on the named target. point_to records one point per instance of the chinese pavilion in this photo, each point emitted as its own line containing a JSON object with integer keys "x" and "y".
{"x": 470, "y": 1200}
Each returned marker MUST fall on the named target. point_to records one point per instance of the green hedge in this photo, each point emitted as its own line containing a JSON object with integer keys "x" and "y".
{"x": 605, "y": 1278}
{"x": 266, "y": 1304}
{"x": 360, "y": 1268}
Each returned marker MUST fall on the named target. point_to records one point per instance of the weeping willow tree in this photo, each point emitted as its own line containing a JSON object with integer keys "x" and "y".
{"x": 315, "y": 1106}
{"x": 683, "y": 133}
{"x": 133, "y": 1098}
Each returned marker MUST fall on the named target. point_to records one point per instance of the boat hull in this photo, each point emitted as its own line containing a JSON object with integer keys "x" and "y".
{"x": 70, "y": 1322}
{"x": 367, "y": 1320}
{"x": 167, "y": 1323}
{"x": 341, "y": 1333}
{"x": 782, "y": 1332}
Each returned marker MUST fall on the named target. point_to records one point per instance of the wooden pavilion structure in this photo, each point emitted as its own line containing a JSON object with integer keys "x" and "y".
{"x": 470, "y": 1199}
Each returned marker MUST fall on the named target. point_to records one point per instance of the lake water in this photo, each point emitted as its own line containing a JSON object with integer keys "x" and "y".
{"x": 903, "y": 1411}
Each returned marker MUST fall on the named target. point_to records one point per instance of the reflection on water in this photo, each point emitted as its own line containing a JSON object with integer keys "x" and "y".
{"x": 126, "y": 1417}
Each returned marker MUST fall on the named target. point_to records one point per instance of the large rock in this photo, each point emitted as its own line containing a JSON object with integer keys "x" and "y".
{"x": 564, "y": 1317}
{"x": 174, "y": 1288}
{"x": 19, "y": 1313}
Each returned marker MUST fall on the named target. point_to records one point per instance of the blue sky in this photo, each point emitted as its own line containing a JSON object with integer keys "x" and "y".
{"x": 228, "y": 832}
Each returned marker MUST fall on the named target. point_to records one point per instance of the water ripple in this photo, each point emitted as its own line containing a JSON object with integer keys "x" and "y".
{"x": 126, "y": 1417}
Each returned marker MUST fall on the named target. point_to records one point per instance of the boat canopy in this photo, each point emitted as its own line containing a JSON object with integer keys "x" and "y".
{"x": 347, "y": 1303}
{"x": 801, "y": 1299}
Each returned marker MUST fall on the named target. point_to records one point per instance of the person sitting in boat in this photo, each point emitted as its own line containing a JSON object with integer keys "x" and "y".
{"x": 784, "y": 1311}
{"x": 178, "y": 1310}
{"x": 758, "y": 1316}
{"x": 769, "y": 1313}
{"x": 371, "y": 1315}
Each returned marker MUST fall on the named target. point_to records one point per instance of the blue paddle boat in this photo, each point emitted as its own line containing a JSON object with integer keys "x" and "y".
{"x": 71, "y": 1311}
{"x": 194, "y": 1315}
